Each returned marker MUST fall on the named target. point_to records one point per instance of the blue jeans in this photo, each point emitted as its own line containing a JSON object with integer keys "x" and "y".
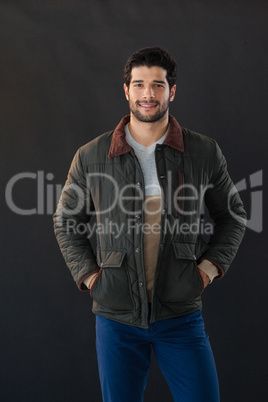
{"x": 182, "y": 350}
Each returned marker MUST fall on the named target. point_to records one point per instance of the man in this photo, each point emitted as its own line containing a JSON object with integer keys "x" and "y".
{"x": 146, "y": 182}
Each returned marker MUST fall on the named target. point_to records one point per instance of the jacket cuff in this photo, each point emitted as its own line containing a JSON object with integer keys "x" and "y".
{"x": 218, "y": 266}
{"x": 210, "y": 269}
{"x": 89, "y": 279}
{"x": 84, "y": 283}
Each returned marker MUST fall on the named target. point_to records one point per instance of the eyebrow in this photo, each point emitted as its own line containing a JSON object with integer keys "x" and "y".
{"x": 156, "y": 81}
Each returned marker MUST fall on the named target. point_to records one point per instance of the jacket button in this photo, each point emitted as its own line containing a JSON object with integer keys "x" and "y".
{"x": 162, "y": 177}
{"x": 194, "y": 257}
{"x": 141, "y": 284}
{"x": 101, "y": 264}
{"x": 137, "y": 216}
{"x": 138, "y": 184}
{"x": 137, "y": 250}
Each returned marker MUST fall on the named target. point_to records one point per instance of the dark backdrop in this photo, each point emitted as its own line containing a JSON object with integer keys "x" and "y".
{"x": 61, "y": 85}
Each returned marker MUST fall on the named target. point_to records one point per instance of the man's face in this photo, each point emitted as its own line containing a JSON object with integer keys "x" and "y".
{"x": 148, "y": 93}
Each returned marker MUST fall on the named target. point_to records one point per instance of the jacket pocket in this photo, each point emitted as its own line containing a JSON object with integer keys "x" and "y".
{"x": 110, "y": 258}
{"x": 181, "y": 281}
{"x": 184, "y": 251}
{"x": 112, "y": 287}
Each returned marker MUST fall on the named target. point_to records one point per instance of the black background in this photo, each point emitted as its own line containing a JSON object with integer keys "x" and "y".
{"x": 61, "y": 86}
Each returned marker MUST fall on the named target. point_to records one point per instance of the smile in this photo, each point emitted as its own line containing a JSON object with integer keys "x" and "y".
{"x": 148, "y": 105}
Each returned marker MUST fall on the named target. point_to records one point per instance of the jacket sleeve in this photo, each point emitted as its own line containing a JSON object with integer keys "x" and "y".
{"x": 227, "y": 211}
{"x": 73, "y": 213}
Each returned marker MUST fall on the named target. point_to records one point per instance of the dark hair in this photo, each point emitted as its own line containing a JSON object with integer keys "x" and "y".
{"x": 151, "y": 56}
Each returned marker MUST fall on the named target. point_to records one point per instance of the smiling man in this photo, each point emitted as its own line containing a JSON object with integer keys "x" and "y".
{"x": 148, "y": 178}
{"x": 149, "y": 94}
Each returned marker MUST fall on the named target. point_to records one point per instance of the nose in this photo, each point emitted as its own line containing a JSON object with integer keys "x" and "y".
{"x": 148, "y": 92}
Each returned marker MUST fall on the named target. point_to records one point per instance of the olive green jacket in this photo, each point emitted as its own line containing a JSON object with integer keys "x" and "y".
{"x": 105, "y": 181}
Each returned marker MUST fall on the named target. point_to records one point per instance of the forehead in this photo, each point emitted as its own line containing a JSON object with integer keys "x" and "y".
{"x": 145, "y": 73}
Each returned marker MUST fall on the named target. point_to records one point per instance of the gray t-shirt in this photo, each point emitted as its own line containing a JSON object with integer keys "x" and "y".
{"x": 146, "y": 157}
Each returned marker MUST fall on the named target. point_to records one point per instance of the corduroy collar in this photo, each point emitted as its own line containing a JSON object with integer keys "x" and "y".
{"x": 120, "y": 146}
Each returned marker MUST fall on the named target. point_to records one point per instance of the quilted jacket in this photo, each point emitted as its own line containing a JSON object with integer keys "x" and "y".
{"x": 105, "y": 181}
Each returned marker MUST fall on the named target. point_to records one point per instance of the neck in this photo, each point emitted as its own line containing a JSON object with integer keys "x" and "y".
{"x": 147, "y": 133}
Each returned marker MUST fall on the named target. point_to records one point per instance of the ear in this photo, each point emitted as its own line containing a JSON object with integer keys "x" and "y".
{"x": 126, "y": 91}
{"x": 172, "y": 93}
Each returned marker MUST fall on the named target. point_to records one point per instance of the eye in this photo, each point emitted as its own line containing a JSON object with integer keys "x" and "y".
{"x": 159, "y": 86}
{"x": 138, "y": 85}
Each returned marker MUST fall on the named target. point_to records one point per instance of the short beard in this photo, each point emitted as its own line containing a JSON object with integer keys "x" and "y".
{"x": 148, "y": 119}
